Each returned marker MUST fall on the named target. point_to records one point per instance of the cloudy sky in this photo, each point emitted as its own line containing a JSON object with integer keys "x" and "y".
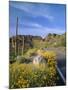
{"x": 36, "y": 18}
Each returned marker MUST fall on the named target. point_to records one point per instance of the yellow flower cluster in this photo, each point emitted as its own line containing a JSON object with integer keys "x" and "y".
{"x": 50, "y": 56}
{"x": 47, "y": 54}
{"x": 28, "y": 75}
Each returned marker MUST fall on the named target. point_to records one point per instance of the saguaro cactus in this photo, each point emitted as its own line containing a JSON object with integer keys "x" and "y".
{"x": 16, "y": 43}
{"x": 23, "y": 46}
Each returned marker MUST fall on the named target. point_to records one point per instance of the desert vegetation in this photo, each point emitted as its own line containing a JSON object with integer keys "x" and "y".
{"x": 24, "y": 71}
{"x": 23, "y": 75}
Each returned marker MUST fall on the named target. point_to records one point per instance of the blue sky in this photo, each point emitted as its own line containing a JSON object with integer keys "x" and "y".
{"x": 37, "y": 18}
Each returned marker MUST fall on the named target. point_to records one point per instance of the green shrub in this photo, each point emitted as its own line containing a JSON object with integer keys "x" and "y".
{"x": 12, "y": 58}
{"x": 23, "y": 59}
{"x": 30, "y": 52}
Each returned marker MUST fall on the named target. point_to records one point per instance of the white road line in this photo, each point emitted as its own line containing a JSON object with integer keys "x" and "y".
{"x": 61, "y": 74}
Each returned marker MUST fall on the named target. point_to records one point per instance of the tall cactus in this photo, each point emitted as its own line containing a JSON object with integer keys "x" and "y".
{"x": 23, "y": 46}
{"x": 12, "y": 42}
{"x": 16, "y": 43}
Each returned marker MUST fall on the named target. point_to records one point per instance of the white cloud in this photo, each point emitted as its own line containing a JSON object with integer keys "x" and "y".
{"x": 31, "y": 24}
{"x": 35, "y": 9}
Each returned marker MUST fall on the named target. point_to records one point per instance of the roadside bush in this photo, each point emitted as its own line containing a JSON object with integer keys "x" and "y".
{"x": 28, "y": 75}
{"x": 23, "y": 59}
{"x": 12, "y": 58}
{"x": 24, "y": 75}
{"x": 50, "y": 56}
